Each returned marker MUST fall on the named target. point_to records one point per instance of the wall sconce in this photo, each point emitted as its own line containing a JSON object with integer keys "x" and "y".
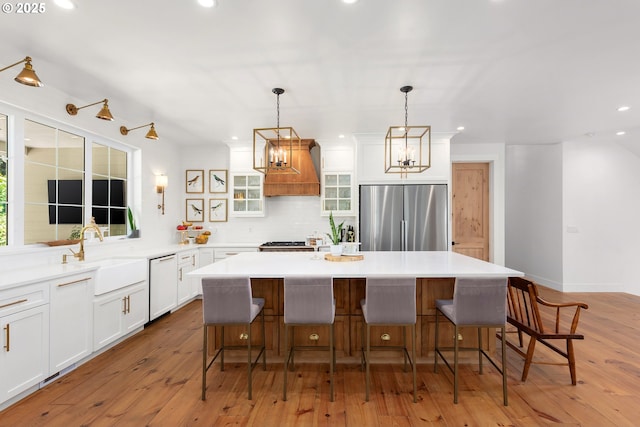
{"x": 150, "y": 135}
{"x": 161, "y": 184}
{"x": 103, "y": 114}
{"x": 27, "y": 76}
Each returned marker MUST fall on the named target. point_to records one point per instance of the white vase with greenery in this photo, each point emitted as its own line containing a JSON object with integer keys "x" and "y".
{"x": 335, "y": 236}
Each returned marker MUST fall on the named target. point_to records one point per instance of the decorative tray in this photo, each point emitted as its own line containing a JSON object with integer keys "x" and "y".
{"x": 344, "y": 258}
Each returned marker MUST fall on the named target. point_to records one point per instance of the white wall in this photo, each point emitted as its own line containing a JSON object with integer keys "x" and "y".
{"x": 534, "y": 212}
{"x": 601, "y": 209}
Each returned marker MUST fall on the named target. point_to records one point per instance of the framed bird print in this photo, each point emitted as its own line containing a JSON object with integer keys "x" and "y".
{"x": 217, "y": 180}
{"x": 195, "y": 181}
{"x": 194, "y": 210}
{"x": 217, "y": 210}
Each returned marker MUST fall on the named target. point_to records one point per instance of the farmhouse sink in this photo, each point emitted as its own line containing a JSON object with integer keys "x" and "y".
{"x": 116, "y": 273}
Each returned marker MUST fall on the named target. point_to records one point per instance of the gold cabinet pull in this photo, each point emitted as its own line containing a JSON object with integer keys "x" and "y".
{"x": 13, "y": 303}
{"x": 7, "y": 334}
{"x": 180, "y": 273}
{"x": 74, "y": 282}
{"x": 314, "y": 337}
{"x": 128, "y": 303}
{"x": 385, "y": 337}
{"x": 124, "y": 305}
{"x": 169, "y": 258}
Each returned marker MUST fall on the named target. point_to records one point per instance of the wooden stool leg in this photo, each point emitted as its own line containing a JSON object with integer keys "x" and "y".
{"x": 572, "y": 361}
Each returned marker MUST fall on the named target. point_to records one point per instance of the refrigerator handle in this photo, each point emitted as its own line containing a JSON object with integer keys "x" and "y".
{"x": 403, "y": 235}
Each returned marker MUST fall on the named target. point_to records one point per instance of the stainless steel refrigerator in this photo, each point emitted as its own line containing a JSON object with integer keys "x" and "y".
{"x": 410, "y": 217}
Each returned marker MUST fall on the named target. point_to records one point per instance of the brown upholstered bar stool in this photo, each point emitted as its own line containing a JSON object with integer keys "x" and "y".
{"x": 390, "y": 301}
{"x": 227, "y": 301}
{"x": 478, "y": 303}
{"x": 308, "y": 301}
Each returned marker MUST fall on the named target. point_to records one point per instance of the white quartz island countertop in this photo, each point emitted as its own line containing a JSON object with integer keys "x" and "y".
{"x": 380, "y": 264}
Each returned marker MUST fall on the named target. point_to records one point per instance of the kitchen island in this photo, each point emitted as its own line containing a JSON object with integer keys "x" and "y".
{"x": 435, "y": 274}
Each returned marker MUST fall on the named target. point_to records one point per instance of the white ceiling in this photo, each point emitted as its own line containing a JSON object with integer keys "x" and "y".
{"x": 518, "y": 71}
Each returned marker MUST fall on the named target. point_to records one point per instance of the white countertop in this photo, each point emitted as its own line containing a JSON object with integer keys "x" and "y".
{"x": 414, "y": 264}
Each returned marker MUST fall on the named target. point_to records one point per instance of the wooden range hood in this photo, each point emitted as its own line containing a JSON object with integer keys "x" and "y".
{"x": 306, "y": 183}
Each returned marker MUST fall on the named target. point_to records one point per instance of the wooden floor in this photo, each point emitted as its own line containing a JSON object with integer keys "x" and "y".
{"x": 154, "y": 379}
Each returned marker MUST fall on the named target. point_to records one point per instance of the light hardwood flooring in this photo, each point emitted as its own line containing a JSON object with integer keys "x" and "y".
{"x": 154, "y": 379}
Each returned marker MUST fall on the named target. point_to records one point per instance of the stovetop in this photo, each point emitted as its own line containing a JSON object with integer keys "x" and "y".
{"x": 283, "y": 244}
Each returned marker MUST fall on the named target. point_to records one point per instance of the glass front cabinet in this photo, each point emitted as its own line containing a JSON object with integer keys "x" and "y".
{"x": 337, "y": 193}
{"x": 248, "y": 199}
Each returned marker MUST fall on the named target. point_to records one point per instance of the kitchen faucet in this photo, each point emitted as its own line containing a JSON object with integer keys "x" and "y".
{"x": 80, "y": 253}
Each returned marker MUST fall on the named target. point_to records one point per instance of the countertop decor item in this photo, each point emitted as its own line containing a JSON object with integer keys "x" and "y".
{"x": 335, "y": 236}
{"x": 343, "y": 258}
{"x": 135, "y": 233}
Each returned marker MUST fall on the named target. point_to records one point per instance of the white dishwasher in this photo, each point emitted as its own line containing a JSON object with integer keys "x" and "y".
{"x": 163, "y": 285}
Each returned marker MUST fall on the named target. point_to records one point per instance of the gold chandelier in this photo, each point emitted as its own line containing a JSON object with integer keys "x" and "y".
{"x": 273, "y": 148}
{"x": 404, "y": 146}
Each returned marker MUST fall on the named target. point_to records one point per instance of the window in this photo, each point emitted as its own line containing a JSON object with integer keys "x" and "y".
{"x": 67, "y": 181}
{"x": 109, "y": 188}
{"x": 4, "y": 156}
{"x": 53, "y": 183}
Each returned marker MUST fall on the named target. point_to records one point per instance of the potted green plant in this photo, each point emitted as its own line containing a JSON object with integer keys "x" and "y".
{"x": 335, "y": 236}
{"x": 132, "y": 224}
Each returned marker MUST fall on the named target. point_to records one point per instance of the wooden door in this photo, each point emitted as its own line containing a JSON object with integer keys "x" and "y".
{"x": 470, "y": 209}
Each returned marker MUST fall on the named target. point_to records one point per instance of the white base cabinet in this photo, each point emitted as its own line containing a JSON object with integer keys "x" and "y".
{"x": 187, "y": 286}
{"x": 71, "y": 320}
{"x": 118, "y": 313}
{"x": 24, "y": 351}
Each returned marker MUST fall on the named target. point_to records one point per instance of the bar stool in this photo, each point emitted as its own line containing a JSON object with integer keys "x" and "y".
{"x": 227, "y": 301}
{"x": 390, "y": 301}
{"x": 308, "y": 301}
{"x": 478, "y": 303}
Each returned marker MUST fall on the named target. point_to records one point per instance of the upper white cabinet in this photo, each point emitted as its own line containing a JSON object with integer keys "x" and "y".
{"x": 337, "y": 193}
{"x": 337, "y": 185}
{"x": 71, "y": 322}
{"x": 247, "y": 198}
{"x": 337, "y": 157}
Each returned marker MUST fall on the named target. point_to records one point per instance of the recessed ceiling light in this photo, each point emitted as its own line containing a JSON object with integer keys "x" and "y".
{"x": 349, "y": 1}
{"x": 624, "y": 108}
{"x": 207, "y": 3}
{"x": 460, "y": 128}
{"x": 235, "y": 138}
{"x": 65, "y": 4}
{"x": 620, "y": 133}
{"x": 341, "y": 136}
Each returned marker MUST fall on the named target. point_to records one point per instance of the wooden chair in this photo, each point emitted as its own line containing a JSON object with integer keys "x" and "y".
{"x": 524, "y": 312}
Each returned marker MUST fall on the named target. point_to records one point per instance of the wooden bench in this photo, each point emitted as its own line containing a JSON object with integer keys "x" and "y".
{"x": 526, "y": 311}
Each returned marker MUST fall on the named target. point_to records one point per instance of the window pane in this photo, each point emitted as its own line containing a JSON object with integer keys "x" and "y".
{"x": 344, "y": 179}
{"x": 39, "y": 143}
{"x": 70, "y": 151}
{"x": 99, "y": 159}
{"x": 330, "y": 180}
{"x": 118, "y": 163}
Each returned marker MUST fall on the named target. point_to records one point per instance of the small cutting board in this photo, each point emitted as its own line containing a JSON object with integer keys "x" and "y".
{"x": 343, "y": 258}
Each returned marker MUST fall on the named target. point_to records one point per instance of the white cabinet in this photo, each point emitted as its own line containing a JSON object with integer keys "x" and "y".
{"x": 337, "y": 180}
{"x": 24, "y": 325}
{"x": 118, "y": 313}
{"x": 206, "y": 257}
{"x": 224, "y": 252}
{"x": 71, "y": 320}
{"x": 187, "y": 286}
{"x": 163, "y": 285}
{"x": 337, "y": 193}
{"x": 337, "y": 157}
{"x": 247, "y": 197}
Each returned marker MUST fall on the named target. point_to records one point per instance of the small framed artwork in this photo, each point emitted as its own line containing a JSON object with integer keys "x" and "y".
{"x": 217, "y": 180}
{"x": 194, "y": 210}
{"x": 218, "y": 210}
{"x": 195, "y": 181}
